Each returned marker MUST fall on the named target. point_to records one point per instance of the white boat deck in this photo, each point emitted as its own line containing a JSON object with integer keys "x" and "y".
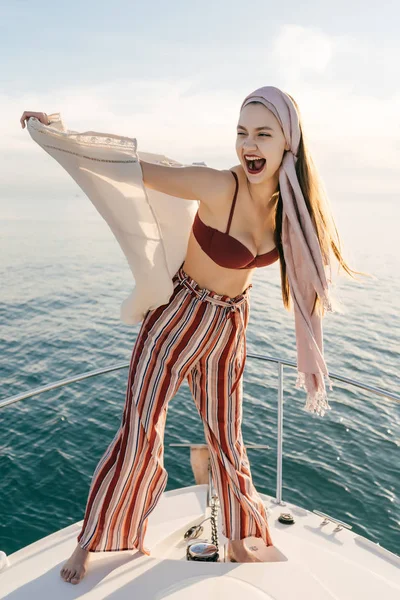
{"x": 308, "y": 561}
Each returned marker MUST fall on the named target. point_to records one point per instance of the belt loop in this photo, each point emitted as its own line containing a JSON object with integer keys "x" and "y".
{"x": 186, "y": 283}
{"x": 182, "y": 280}
{"x": 203, "y": 295}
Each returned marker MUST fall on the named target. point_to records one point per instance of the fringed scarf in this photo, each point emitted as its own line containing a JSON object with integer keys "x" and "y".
{"x": 303, "y": 257}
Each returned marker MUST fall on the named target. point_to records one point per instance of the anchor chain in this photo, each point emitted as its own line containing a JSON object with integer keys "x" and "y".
{"x": 204, "y": 551}
{"x": 213, "y": 520}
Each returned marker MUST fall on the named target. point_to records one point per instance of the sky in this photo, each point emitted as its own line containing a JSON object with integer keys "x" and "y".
{"x": 174, "y": 74}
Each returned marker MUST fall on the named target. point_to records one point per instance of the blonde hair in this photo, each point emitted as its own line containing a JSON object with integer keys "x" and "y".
{"x": 319, "y": 208}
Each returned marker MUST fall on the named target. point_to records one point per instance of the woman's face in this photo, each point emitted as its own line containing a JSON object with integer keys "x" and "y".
{"x": 259, "y": 134}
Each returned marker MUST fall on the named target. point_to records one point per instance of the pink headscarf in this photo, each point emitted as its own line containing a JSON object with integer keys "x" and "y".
{"x": 303, "y": 257}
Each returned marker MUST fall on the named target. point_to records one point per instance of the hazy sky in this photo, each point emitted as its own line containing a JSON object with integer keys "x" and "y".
{"x": 174, "y": 74}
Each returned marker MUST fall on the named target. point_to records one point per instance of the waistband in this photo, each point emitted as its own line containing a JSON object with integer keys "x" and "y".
{"x": 223, "y": 300}
{"x": 210, "y": 295}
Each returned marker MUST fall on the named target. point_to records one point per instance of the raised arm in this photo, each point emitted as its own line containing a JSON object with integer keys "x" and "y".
{"x": 191, "y": 182}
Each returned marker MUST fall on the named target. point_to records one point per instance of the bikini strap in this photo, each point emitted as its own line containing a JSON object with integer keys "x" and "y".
{"x": 233, "y": 202}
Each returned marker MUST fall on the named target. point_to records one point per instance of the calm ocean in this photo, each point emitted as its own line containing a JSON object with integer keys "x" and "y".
{"x": 63, "y": 278}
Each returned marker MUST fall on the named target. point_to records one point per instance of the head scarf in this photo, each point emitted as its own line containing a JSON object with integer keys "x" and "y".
{"x": 302, "y": 253}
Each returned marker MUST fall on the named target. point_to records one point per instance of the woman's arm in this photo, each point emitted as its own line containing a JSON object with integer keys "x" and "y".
{"x": 191, "y": 183}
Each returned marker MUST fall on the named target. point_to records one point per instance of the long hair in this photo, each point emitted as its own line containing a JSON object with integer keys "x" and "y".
{"x": 319, "y": 208}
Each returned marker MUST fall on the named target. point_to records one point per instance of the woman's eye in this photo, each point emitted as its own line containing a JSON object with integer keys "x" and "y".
{"x": 265, "y": 134}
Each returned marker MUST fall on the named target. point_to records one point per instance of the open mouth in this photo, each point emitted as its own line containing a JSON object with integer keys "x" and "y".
{"x": 256, "y": 165}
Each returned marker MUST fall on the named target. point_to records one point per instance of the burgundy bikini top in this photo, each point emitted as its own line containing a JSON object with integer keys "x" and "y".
{"x": 226, "y": 250}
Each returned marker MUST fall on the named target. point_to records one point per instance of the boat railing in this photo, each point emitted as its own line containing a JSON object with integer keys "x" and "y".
{"x": 280, "y": 363}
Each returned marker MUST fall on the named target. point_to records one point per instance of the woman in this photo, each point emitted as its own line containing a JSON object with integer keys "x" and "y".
{"x": 246, "y": 220}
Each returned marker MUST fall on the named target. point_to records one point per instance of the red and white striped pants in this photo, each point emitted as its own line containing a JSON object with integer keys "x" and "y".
{"x": 199, "y": 335}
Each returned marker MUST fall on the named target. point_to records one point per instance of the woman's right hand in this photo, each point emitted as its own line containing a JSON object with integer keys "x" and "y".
{"x": 42, "y": 117}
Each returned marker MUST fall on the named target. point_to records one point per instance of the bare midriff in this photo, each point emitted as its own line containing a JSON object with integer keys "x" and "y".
{"x": 202, "y": 268}
{"x": 199, "y": 266}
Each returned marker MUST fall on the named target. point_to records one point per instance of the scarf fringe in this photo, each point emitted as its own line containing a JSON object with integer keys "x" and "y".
{"x": 317, "y": 398}
{"x": 327, "y": 303}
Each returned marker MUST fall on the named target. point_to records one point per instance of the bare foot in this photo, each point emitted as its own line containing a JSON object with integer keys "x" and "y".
{"x": 74, "y": 569}
{"x": 237, "y": 551}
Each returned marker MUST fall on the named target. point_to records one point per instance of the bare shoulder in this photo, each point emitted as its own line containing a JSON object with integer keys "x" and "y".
{"x": 219, "y": 188}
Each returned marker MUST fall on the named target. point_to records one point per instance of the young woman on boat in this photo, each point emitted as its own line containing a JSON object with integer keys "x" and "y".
{"x": 268, "y": 208}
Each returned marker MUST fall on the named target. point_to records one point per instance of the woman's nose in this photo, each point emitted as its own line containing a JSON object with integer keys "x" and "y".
{"x": 249, "y": 149}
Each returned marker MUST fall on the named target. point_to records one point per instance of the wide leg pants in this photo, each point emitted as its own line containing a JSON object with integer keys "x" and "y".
{"x": 201, "y": 336}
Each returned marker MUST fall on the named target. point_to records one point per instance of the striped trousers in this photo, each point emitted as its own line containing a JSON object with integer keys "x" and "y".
{"x": 201, "y": 336}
